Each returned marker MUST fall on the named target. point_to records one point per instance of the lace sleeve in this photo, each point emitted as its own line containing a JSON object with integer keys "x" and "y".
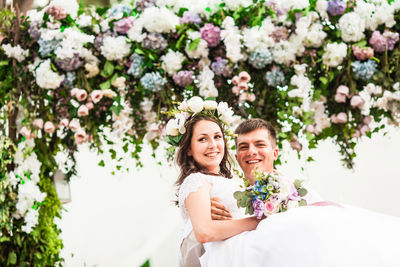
{"x": 190, "y": 184}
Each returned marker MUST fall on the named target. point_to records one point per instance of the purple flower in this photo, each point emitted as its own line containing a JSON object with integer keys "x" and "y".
{"x": 258, "y": 206}
{"x": 123, "y": 25}
{"x": 392, "y": 38}
{"x": 183, "y": 78}
{"x": 336, "y": 7}
{"x": 221, "y": 67}
{"x": 211, "y": 34}
{"x": 70, "y": 64}
{"x": 155, "y": 41}
{"x": 381, "y": 42}
{"x": 189, "y": 17}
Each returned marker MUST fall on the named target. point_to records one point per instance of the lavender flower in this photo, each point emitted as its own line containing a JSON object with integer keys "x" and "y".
{"x": 364, "y": 70}
{"x": 152, "y": 81}
{"x": 47, "y": 47}
{"x": 392, "y": 38}
{"x": 275, "y": 77}
{"x": 98, "y": 41}
{"x": 57, "y": 12}
{"x": 258, "y": 206}
{"x": 211, "y": 34}
{"x": 336, "y": 7}
{"x": 34, "y": 30}
{"x": 280, "y": 33}
{"x": 260, "y": 58}
{"x": 189, "y": 17}
{"x": 70, "y": 64}
{"x": 381, "y": 42}
{"x": 135, "y": 69}
{"x": 142, "y": 4}
{"x": 183, "y": 78}
{"x": 221, "y": 67}
{"x": 155, "y": 41}
{"x": 123, "y": 25}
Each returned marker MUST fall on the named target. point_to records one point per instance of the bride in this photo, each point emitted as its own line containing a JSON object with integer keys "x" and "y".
{"x": 328, "y": 235}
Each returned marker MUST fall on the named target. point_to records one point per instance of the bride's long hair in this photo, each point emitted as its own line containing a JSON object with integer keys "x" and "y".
{"x": 187, "y": 164}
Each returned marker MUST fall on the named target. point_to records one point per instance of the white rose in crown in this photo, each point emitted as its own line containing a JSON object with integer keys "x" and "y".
{"x": 210, "y": 105}
{"x": 195, "y": 104}
{"x": 172, "y": 127}
{"x": 180, "y": 122}
{"x": 226, "y": 112}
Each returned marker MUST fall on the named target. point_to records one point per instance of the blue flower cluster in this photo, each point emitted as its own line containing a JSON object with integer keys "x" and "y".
{"x": 47, "y": 47}
{"x": 153, "y": 81}
{"x": 275, "y": 77}
{"x": 136, "y": 69}
{"x": 118, "y": 11}
{"x": 260, "y": 58}
{"x": 364, "y": 70}
{"x": 70, "y": 79}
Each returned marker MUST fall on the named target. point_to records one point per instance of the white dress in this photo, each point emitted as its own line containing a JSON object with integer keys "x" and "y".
{"x": 309, "y": 236}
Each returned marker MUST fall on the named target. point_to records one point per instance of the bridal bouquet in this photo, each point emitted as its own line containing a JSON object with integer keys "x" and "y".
{"x": 271, "y": 193}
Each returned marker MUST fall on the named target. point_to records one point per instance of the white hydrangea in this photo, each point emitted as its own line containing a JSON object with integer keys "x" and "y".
{"x": 315, "y": 36}
{"x": 303, "y": 85}
{"x": 293, "y": 4}
{"x": 70, "y": 6}
{"x": 172, "y": 61}
{"x": 322, "y": 8}
{"x": 15, "y": 52}
{"x": 46, "y": 78}
{"x": 367, "y": 12}
{"x": 232, "y": 40}
{"x": 84, "y": 20}
{"x": 259, "y": 37}
{"x": 109, "y": 49}
{"x": 35, "y": 15}
{"x": 235, "y": 4}
{"x": 135, "y": 33}
{"x": 72, "y": 43}
{"x": 201, "y": 50}
{"x": 50, "y": 34}
{"x": 159, "y": 20}
{"x": 352, "y": 27}
{"x": 321, "y": 119}
{"x": 206, "y": 83}
{"x": 284, "y": 52}
{"x": 334, "y": 54}
{"x": 123, "y": 122}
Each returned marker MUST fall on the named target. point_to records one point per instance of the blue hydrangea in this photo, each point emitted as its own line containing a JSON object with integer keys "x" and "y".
{"x": 364, "y": 70}
{"x": 136, "y": 69}
{"x": 275, "y": 77}
{"x": 70, "y": 79}
{"x": 260, "y": 58}
{"x": 118, "y": 11}
{"x": 47, "y": 47}
{"x": 153, "y": 81}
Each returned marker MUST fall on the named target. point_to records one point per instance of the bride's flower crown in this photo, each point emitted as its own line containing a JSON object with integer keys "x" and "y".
{"x": 196, "y": 106}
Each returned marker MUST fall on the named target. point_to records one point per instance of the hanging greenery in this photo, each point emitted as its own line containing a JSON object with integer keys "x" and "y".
{"x": 70, "y": 75}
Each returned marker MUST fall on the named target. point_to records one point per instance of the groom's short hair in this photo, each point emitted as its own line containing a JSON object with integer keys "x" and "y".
{"x": 254, "y": 124}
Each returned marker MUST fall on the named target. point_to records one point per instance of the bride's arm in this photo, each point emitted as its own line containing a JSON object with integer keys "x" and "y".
{"x": 206, "y": 229}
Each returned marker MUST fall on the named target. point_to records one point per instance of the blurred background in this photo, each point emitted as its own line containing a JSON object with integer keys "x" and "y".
{"x": 129, "y": 219}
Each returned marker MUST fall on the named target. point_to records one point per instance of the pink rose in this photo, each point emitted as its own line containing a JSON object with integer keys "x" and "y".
{"x": 339, "y": 118}
{"x": 244, "y": 77}
{"x": 96, "y": 95}
{"x": 89, "y": 105}
{"x": 342, "y": 89}
{"x": 83, "y": 111}
{"x": 243, "y": 86}
{"x": 49, "y": 127}
{"x": 64, "y": 122}
{"x": 26, "y": 133}
{"x": 74, "y": 125}
{"x": 251, "y": 97}
{"x": 310, "y": 128}
{"x": 340, "y": 98}
{"x": 73, "y": 92}
{"x": 235, "y": 90}
{"x": 364, "y": 129}
{"x": 38, "y": 123}
{"x": 235, "y": 80}
{"x": 367, "y": 120}
{"x": 357, "y": 101}
{"x": 242, "y": 98}
{"x": 356, "y": 134}
{"x": 81, "y": 95}
{"x": 80, "y": 136}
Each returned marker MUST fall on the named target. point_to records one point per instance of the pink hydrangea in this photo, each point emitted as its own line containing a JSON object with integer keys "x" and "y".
{"x": 362, "y": 53}
{"x": 123, "y": 25}
{"x": 211, "y": 34}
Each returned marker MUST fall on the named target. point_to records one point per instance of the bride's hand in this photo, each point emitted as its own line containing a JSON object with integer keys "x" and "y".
{"x": 219, "y": 211}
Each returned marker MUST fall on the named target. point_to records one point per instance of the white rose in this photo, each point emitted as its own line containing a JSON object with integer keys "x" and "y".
{"x": 195, "y": 104}
{"x": 292, "y": 204}
{"x": 210, "y": 105}
{"x": 285, "y": 188}
{"x": 172, "y": 128}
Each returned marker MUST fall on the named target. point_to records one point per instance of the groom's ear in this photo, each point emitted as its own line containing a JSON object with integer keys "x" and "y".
{"x": 276, "y": 153}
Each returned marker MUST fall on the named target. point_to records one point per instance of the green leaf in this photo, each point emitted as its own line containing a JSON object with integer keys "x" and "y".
{"x": 302, "y": 202}
{"x": 139, "y": 51}
{"x": 323, "y": 80}
{"x": 105, "y": 85}
{"x": 101, "y": 163}
{"x": 193, "y": 44}
{"x": 12, "y": 258}
{"x": 4, "y": 63}
{"x": 108, "y": 69}
{"x": 302, "y": 192}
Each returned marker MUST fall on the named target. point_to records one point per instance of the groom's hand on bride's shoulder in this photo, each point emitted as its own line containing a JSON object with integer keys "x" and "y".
{"x": 219, "y": 211}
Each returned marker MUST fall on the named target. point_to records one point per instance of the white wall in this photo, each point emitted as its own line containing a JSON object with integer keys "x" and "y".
{"x": 122, "y": 220}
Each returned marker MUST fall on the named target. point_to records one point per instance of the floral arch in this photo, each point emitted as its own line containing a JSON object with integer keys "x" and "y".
{"x": 70, "y": 75}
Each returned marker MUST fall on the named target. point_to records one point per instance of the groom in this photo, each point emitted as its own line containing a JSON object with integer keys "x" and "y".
{"x": 255, "y": 147}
